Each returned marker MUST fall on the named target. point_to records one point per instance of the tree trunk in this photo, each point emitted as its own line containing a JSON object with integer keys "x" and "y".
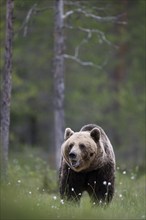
{"x": 58, "y": 79}
{"x": 6, "y": 89}
{"x": 118, "y": 74}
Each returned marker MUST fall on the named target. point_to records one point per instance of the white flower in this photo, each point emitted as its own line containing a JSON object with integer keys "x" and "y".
{"x": 120, "y": 196}
{"x": 72, "y": 189}
{"x": 104, "y": 182}
{"x": 30, "y": 192}
{"x": 80, "y": 194}
{"x": 109, "y": 184}
{"x": 62, "y": 202}
{"x": 18, "y": 181}
{"x": 54, "y": 197}
{"x": 94, "y": 182}
{"x": 94, "y": 203}
{"x": 54, "y": 207}
{"x": 132, "y": 177}
{"x": 124, "y": 172}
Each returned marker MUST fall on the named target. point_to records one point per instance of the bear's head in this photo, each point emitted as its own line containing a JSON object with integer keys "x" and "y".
{"x": 83, "y": 150}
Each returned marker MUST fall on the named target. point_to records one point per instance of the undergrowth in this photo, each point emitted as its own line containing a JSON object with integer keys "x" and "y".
{"x": 31, "y": 192}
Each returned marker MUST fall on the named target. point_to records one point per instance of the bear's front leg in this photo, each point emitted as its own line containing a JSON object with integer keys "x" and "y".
{"x": 71, "y": 184}
{"x": 100, "y": 194}
{"x": 100, "y": 186}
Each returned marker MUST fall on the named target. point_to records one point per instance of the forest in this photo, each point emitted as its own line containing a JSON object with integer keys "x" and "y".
{"x": 86, "y": 66}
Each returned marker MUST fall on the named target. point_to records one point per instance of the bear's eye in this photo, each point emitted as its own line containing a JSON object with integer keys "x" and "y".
{"x": 70, "y": 146}
{"x": 91, "y": 154}
{"x": 82, "y": 146}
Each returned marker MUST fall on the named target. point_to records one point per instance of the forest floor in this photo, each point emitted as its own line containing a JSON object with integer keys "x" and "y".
{"x": 31, "y": 192}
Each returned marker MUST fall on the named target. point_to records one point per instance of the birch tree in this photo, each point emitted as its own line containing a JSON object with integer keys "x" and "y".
{"x": 58, "y": 73}
{"x": 6, "y": 89}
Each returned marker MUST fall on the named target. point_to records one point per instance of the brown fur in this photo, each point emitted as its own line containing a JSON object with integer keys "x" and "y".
{"x": 94, "y": 169}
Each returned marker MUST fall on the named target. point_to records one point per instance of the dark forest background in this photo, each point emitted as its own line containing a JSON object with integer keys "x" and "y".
{"x": 110, "y": 92}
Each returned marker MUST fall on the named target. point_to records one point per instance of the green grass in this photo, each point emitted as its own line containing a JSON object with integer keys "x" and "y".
{"x": 28, "y": 195}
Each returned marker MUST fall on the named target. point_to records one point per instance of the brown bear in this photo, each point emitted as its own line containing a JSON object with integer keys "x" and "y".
{"x": 87, "y": 164}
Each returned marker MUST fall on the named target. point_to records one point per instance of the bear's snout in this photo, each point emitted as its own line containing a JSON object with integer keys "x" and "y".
{"x": 74, "y": 158}
{"x": 72, "y": 155}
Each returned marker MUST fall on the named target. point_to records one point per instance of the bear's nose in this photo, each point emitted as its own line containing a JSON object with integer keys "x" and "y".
{"x": 72, "y": 155}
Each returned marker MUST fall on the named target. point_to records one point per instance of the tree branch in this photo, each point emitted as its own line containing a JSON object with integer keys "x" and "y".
{"x": 102, "y": 19}
{"x": 100, "y": 34}
{"x": 89, "y": 32}
{"x": 28, "y": 16}
{"x": 32, "y": 10}
{"x": 97, "y": 18}
{"x": 83, "y": 63}
{"x": 24, "y": 25}
{"x": 67, "y": 14}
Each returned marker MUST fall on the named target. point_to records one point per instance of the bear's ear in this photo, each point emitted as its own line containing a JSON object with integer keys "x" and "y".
{"x": 68, "y": 133}
{"x": 95, "y": 134}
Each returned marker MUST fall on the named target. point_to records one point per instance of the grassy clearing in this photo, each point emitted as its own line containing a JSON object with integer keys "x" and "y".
{"x": 28, "y": 195}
